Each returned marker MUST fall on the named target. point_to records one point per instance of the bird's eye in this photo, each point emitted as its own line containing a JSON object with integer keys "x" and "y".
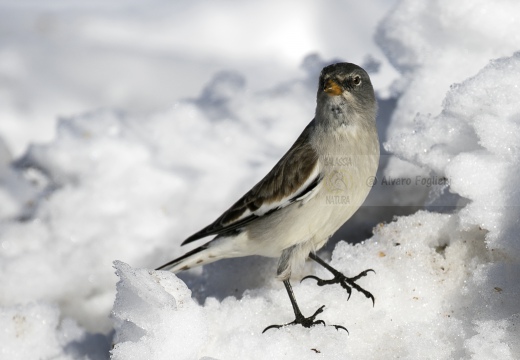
{"x": 356, "y": 80}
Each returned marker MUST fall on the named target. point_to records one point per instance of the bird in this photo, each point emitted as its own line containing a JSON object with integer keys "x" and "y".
{"x": 318, "y": 184}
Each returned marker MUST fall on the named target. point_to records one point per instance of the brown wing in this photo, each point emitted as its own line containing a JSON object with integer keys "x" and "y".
{"x": 290, "y": 179}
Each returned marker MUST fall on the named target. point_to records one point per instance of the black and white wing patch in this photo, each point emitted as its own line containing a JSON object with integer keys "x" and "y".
{"x": 294, "y": 178}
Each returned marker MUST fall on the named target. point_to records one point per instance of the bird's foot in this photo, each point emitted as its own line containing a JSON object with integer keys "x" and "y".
{"x": 305, "y": 321}
{"x": 345, "y": 282}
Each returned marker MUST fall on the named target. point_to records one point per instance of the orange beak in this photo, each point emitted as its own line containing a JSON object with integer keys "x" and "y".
{"x": 332, "y": 88}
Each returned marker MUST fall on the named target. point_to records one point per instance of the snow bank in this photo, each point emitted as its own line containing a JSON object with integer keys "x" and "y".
{"x": 36, "y": 331}
{"x": 132, "y": 187}
{"x": 446, "y": 281}
{"x": 409, "y": 274}
{"x": 66, "y": 57}
{"x": 434, "y": 45}
{"x": 153, "y": 311}
{"x": 437, "y": 43}
{"x": 114, "y": 186}
{"x": 474, "y": 142}
{"x": 445, "y": 284}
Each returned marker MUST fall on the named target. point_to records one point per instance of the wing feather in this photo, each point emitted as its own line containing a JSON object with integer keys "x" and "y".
{"x": 292, "y": 179}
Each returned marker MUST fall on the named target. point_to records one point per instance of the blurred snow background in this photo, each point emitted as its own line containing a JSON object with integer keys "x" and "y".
{"x": 126, "y": 126}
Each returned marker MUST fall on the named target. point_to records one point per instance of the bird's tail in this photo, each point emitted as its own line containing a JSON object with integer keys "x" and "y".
{"x": 191, "y": 259}
{"x": 219, "y": 248}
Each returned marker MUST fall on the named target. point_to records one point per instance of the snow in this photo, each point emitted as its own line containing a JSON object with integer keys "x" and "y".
{"x": 125, "y": 128}
{"x": 142, "y": 333}
{"x": 60, "y": 58}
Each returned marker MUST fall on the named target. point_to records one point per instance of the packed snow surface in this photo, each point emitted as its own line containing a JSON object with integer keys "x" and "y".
{"x": 125, "y": 128}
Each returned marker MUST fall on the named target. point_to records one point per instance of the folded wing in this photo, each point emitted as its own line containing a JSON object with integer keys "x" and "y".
{"x": 292, "y": 179}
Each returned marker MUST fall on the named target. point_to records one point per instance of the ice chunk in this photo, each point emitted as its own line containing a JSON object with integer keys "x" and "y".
{"x": 155, "y": 316}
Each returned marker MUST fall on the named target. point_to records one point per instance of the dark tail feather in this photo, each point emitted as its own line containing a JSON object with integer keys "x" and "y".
{"x": 172, "y": 264}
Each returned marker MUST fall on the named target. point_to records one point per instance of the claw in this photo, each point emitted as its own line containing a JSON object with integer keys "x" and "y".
{"x": 346, "y": 287}
{"x": 306, "y": 322}
{"x": 320, "y": 282}
{"x": 346, "y": 283}
{"x": 303, "y": 321}
{"x": 274, "y": 327}
{"x": 341, "y": 327}
{"x": 311, "y": 277}
{"x": 319, "y": 311}
{"x": 361, "y": 274}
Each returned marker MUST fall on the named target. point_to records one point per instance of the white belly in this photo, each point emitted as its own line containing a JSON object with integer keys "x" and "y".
{"x": 339, "y": 196}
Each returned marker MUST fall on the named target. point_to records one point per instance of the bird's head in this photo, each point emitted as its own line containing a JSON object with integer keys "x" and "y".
{"x": 345, "y": 92}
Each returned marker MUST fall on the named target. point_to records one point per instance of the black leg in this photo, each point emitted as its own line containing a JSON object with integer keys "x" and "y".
{"x": 299, "y": 318}
{"x": 339, "y": 278}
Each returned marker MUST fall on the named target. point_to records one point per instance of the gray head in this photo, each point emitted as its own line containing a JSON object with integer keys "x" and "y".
{"x": 345, "y": 93}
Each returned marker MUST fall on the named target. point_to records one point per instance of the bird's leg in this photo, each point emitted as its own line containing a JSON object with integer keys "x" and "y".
{"x": 345, "y": 282}
{"x": 299, "y": 318}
